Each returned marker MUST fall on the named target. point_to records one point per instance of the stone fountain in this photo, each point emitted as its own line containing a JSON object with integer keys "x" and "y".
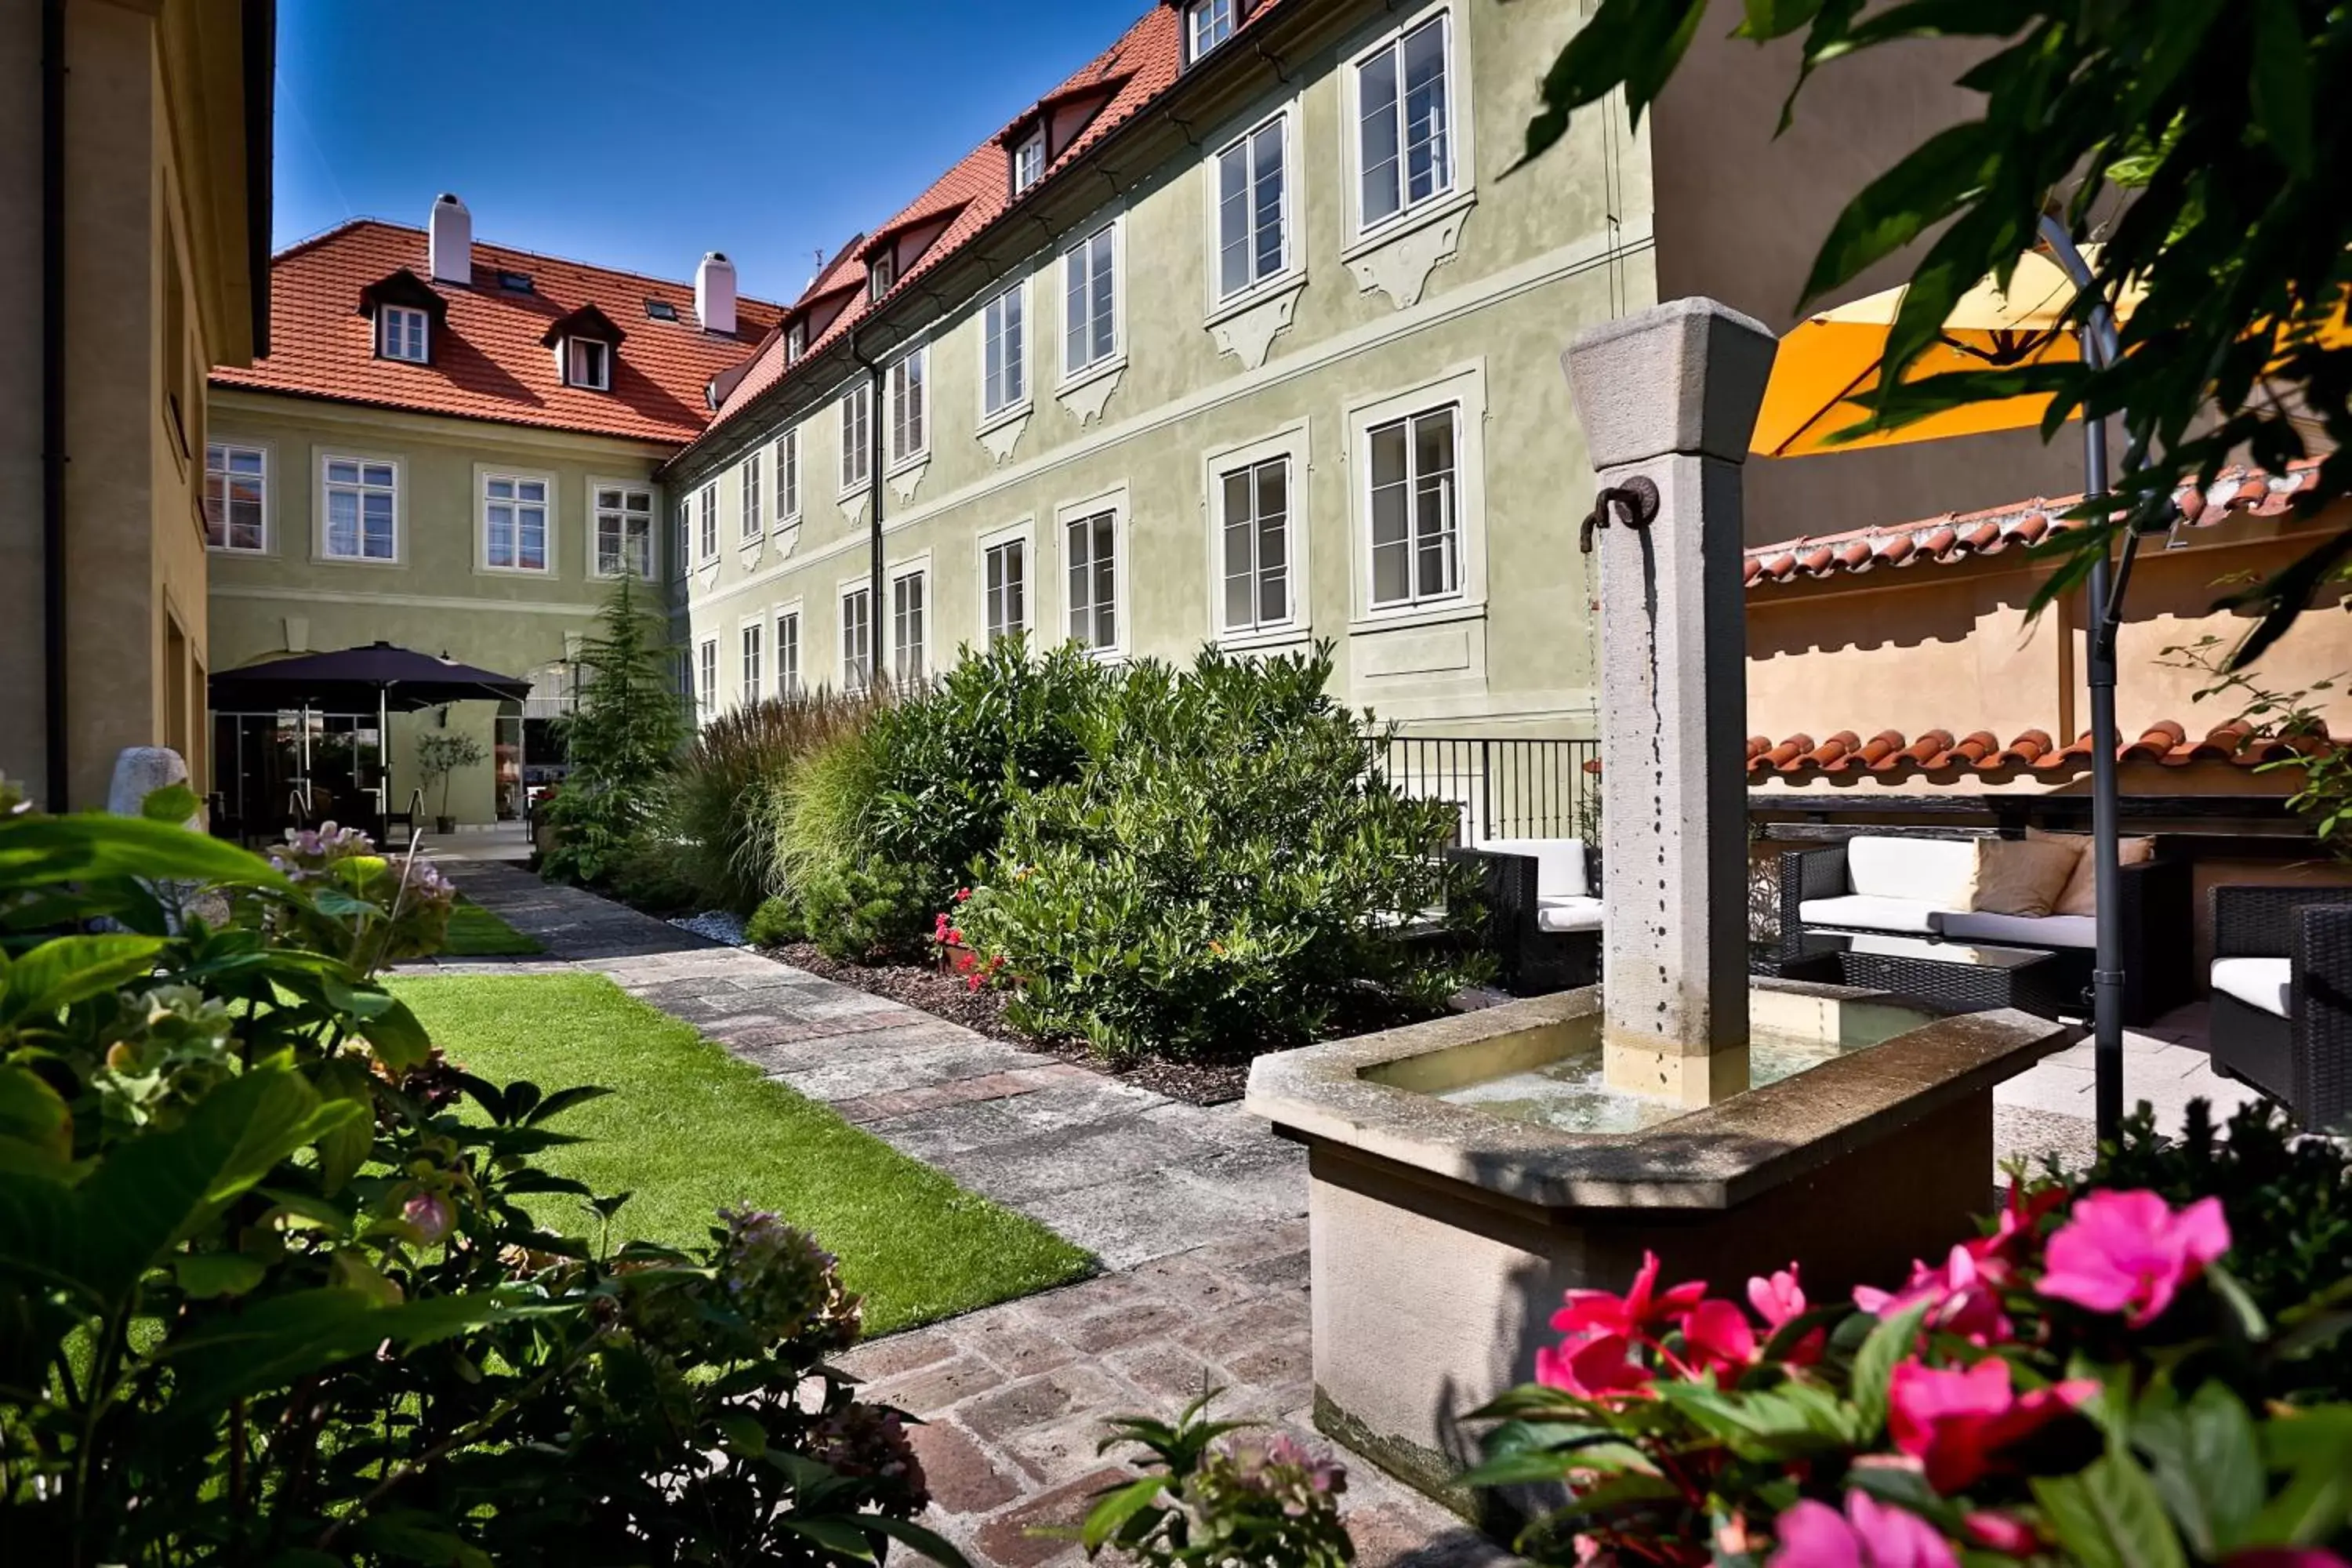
{"x": 1464, "y": 1172}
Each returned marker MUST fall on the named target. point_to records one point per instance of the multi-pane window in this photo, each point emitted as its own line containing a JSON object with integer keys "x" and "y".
{"x": 236, "y": 478}
{"x": 788, "y": 653}
{"x": 856, "y": 434}
{"x": 588, "y": 363}
{"x": 362, "y": 503}
{"x": 1006, "y": 570}
{"x": 1416, "y": 533}
{"x": 909, "y": 425}
{"x": 1090, "y": 296}
{"x": 706, "y": 509}
{"x": 1253, "y": 244}
{"x": 1029, "y": 162}
{"x": 795, "y": 342}
{"x": 1093, "y": 551}
{"x": 403, "y": 335}
{"x": 705, "y": 678}
{"x": 1256, "y": 522}
{"x": 880, "y": 273}
{"x": 788, "y": 475}
{"x": 750, "y": 664}
{"x": 857, "y": 640}
{"x": 751, "y": 496}
{"x": 907, "y": 628}
{"x": 625, "y": 532}
{"x": 1207, "y": 24}
{"x": 1005, "y": 360}
{"x": 1404, "y": 125}
{"x": 679, "y": 535}
{"x": 514, "y": 523}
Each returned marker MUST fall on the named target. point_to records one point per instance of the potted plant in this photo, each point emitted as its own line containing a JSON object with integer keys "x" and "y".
{"x": 438, "y": 756}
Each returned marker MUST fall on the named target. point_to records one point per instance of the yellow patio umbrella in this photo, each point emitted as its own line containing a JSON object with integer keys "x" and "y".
{"x": 1828, "y": 358}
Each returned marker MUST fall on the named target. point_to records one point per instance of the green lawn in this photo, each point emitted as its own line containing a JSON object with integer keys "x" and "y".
{"x": 691, "y": 1128}
{"x": 475, "y": 932}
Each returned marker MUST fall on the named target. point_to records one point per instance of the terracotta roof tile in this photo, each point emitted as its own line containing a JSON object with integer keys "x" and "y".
{"x": 488, "y": 361}
{"x": 1956, "y": 537}
{"x": 1889, "y": 756}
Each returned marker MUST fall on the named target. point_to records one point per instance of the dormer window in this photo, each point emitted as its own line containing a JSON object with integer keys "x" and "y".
{"x": 795, "y": 342}
{"x": 403, "y": 311}
{"x": 403, "y": 335}
{"x": 1029, "y": 162}
{"x": 880, "y": 274}
{"x": 589, "y": 363}
{"x": 1207, "y": 24}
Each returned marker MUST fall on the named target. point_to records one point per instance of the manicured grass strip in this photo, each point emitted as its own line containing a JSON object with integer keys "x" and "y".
{"x": 475, "y": 932}
{"x": 689, "y": 1128}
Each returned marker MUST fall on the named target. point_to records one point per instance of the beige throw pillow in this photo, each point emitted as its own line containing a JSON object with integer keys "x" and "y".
{"x": 2081, "y": 895}
{"x": 2022, "y": 876}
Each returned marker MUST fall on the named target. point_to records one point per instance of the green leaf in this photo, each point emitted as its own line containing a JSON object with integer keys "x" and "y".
{"x": 1873, "y": 1364}
{"x": 561, "y": 1100}
{"x": 929, "y": 1542}
{"x": 2279, "y": 82}
{"x": 1113, "y": 1509}
{"x": 175, "y": 803}
{"x": 70, "y": 969}
{"x": 39, "y": 852}
{"x": 209, "y": 1274}
{"x": 1903, "y": 204}
{"x": 836, "y": 1534}
{"x": 345, "y": 1149}
{"x": 2206, "y": 1464}
{"x": 2110, "y": 1516}
{"x": 277, "y": 1340}
{"x": 1636, "y": 43}
{"x": 743, "y": 1433}
{"x": 33, "y": 1115}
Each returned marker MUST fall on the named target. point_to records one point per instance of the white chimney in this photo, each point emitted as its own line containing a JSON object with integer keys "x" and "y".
{"x": 714, "y": 294}
{"x": 449, "y": 240}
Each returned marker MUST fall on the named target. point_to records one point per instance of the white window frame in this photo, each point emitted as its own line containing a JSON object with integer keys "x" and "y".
{"x": 854, "y": 588}
{"x": 398, "y": 489}
{"x": 788, "y": 671}
{"x": 1025, "y": 535}
{"x": 990, "y": 332}
{"x": 598, "y": 511}
{"x": 1034, "y": 143}
{"x": 1116, "y": 356}
{"x": 393, "y": 327}
{"x": 909, "y": 370}
{"x": 575, "y": 374}
{"x": 681, "y": 537}
{"x": 882, "y": 272}
{"x": 1115, "y": 502}
{"x": 1461, "y": 190}
{"x": 1465, "y": 389}
{"x": 788, "y": 477}
{"x": 706, "y": 680}
{"x": 917, "y": 571}
{"x": 1201, "y": 16}
{"x": 856, "y": 444}
{"x": 751, "y": 525}
{"x": 1293, "y": 270}
{"x": 706, "y": 522}
{"x": 222, "y": 477}
{"x": 750, "y": 658}
{"x": 484, "y": 478}
{"x": 795, "y": 342}
{"x": 1295, "y": 442}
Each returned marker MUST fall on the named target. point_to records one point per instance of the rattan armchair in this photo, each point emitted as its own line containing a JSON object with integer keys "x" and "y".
{"x": 2301, "y": 1058}
{"x": 1530, "y": 961}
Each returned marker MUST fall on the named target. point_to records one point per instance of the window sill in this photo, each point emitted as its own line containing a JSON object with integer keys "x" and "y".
{"x": 1412, "y": 221}
{"x": 1398, "y": 257}
{"x": 484, "y": 569}
{"x": 914, "y": 460}
{"x": 647, "y": 580}
{"x": 1079, "y": 380}
{"x": 1432, "y": 614}
{"x": 1256, "y": 294}
{"x": 991, "y": 423}
{"x": 237, "y": 550}
{"x": 396, "y": 563}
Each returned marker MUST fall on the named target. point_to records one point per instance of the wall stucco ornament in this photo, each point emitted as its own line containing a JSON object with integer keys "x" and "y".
{"x": 1249, "y": 333}
{"x": 1001, "y": 437}
{"x": 903, "y": 481}
{"x": 1400, "y": 265}
{"x": 853, "y": 507}
{"x": 786, "y": 539}
{"x": 748, "y": 554}
{"x": 1085, "y": 398}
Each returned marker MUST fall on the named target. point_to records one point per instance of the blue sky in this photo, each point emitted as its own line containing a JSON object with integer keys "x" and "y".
{"x": 640, "y": 133}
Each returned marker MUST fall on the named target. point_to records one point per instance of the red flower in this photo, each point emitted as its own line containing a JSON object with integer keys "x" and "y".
{"x": 1955, "y": 1423}
{"x": 2020, "y": 1222}
{"x": 1591, "y": 1366}
{"x": 1960, "y": 1297}
{"x": 963, "y": 895}
{"x": 2129, "y": 1252}
{"x": 964, "y": 962}
{"x": 1717, "y": 1338}
{"x": 1628, "y": 1316}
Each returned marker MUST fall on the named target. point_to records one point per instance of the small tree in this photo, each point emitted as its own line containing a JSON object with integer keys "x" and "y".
{"x": 623, "y": 738}
{"x": 443, "y": 753}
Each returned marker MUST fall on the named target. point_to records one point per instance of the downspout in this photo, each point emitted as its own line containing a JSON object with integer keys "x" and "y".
{"x": 53, "y": 399}
{"x": 874, "y": 513}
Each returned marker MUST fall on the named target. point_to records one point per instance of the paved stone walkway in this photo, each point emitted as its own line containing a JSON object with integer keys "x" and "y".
{"x": 1197, "y": 1215}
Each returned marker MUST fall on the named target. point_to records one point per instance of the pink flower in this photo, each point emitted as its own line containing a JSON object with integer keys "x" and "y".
{"x": 1998, "y": 1532}
{"x": 2287, "y": 1557}
{"x": 429, "y": 1216}
{"x": 2129, "y": 1252}
{"x": 1591, "y": 1366}
{"x": 963, "y": 895}
{"x": 1717, "y": 1338}
{"x": 1778, "y": 1299}
{"x": 1869, "y": 1535}
{"x": 1960, "y": 1295}
{"x": 2020, "y": 1222}
{"x": 1955, "y": 1423}
{"x": 1629, "y": 1315}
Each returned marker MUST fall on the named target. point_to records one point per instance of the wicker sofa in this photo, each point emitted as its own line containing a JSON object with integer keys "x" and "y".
{"x": 2281, "y": 1011}
{"x": 1899, "y": 887}
{"x": 1543, "y": 916}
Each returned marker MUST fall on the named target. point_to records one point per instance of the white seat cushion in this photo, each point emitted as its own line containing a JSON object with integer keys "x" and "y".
{"x": 1560, "y": 864}
{"x": 1938, "y": 872}
{"x": 1867, "y": 911}
{"x": 1567, "y": 914}
{"x": 2023, "y": 931}
{"x": 2257, "y": 981}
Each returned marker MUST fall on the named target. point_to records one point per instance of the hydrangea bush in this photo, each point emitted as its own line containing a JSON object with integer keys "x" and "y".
{"x": 1220, "y": 1495}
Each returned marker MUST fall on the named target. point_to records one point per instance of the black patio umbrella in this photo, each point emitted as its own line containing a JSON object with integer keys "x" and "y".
{"x": 391, "y": 680}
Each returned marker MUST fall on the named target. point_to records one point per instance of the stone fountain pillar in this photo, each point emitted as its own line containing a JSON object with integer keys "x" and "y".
{"x": 1668, "y": 400}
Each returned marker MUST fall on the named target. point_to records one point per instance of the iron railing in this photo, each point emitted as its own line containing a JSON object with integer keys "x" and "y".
{"x": 1505, "y": 787}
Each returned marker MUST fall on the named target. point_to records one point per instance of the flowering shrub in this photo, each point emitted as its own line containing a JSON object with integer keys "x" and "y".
{"x": 955, "y": 953}
{"x": 1221, "y": 1499}
{"x": 367, "y": 909}
{"x": 2084, "y": 1382}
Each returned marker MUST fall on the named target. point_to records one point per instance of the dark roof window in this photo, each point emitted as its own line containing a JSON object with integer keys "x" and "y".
{"x": 517, "y": 282}
{"x": 660, "y": 310}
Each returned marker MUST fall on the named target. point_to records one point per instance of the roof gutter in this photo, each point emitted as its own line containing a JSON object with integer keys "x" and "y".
{"x": 55, "y": 730}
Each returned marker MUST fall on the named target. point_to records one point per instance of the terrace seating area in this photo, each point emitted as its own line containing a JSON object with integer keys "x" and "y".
{"x": 2281, "y": 1009}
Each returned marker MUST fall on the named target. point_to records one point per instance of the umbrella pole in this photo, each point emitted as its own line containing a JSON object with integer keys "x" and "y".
{"x": 382, "y": 755}
{"x": 305, "y": 733}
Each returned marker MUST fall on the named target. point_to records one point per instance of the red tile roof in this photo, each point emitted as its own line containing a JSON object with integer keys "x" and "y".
{"x": 488, "y": 361}
{"x": 1956, "y": 536}
{"x": 1134, "y": 71}
{"x": 1889, "y": 754}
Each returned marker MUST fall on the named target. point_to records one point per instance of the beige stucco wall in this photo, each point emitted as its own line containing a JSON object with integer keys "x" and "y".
{"x": 1527, "y": 260}
{"x": 439, "y": 597}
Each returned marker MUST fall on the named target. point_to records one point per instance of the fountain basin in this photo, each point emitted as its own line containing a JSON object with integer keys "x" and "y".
{"x": 1443, "y": 1232}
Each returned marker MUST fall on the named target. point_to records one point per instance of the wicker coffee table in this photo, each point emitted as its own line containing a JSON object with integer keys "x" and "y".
{"x": 1957, "y": 977}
